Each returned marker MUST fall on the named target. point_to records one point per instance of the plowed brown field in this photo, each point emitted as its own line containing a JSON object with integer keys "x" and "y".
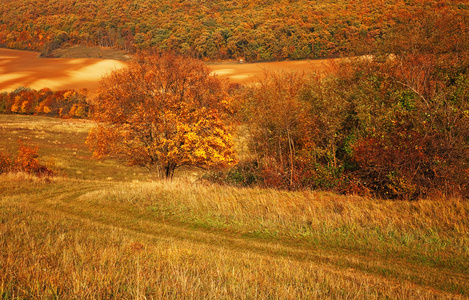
{"x": 248, "y": 73}
{"x": 25, "y": 68}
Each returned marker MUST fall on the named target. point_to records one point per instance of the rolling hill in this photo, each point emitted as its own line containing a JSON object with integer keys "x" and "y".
{"x": 259, "y": 30}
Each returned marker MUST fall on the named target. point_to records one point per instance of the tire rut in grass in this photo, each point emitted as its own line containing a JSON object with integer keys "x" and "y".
{"x": 393, "y": 270}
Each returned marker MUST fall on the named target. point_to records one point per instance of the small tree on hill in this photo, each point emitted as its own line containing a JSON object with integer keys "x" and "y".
{"x": 162, "y": 112}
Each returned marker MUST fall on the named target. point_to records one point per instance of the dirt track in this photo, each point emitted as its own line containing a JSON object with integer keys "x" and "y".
{"x": 25, "y": 68}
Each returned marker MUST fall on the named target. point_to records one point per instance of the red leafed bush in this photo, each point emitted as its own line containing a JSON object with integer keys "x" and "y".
{"x": 408, "y": 163}
{"x": 26, "y": 160}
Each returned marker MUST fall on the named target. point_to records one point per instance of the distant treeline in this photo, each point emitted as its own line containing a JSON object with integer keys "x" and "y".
{"x": 45, "y": 102}
{"x": 256, "y": 30}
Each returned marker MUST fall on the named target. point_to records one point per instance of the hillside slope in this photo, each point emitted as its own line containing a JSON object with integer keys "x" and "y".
{"x": 92, "y": 239}
{"x": 104, "y": 230}
{"x": 253, "y": 30}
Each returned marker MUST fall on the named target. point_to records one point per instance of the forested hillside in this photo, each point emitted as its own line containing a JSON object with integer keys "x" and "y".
{"x": 226, "y": 29}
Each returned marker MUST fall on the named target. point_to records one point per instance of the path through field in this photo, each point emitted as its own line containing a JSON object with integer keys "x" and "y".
{"x": 95, "y": 234}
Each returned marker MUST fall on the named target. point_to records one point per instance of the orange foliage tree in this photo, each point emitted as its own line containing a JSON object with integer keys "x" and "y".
{"x": 65, "y": 104}
{"x": 163, "y": 112}
{"x": 280, "y": 127}
{"x": 27, "y": 159}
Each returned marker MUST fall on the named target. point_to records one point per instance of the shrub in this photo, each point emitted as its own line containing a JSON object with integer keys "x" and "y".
{"x": 5, "y": 163}
{"x": 245, "y": 173}
{"x": 394, "y": 128}
{"x": 26, "y": 160}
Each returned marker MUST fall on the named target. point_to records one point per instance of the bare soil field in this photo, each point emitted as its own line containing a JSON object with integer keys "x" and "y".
{"x": 248, "y": 73}
{"x": 26, "y": 68}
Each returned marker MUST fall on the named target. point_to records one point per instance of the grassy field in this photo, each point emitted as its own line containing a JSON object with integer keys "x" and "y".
{"x": 104, "y": 230}
{"x": 90, "y": 52}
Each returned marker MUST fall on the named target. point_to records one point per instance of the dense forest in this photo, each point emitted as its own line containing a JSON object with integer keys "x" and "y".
{"x": 255, "y": 30}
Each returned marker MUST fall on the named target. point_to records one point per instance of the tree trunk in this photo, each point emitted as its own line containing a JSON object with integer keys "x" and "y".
{"x": 169, "y": 170}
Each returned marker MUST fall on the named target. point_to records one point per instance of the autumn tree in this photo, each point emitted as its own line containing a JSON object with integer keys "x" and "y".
{"x": 280, "y": 127}
{"x": 162, "y": 112}
{"x": 394, "y": 128}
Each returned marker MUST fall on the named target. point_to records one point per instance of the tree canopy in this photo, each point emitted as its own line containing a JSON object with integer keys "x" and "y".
{"x": 163, "y": 112}
{"x": 256, "y": 30}
{"x": 393, "y": 127}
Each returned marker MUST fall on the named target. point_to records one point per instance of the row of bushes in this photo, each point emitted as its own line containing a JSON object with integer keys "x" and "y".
{"x": 45, "y": 102}
{"x": 394, "y": 127}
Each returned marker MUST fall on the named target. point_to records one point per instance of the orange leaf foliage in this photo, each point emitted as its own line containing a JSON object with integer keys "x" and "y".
{"x": 162, "y": 112}
{"x": 26, "y": 160}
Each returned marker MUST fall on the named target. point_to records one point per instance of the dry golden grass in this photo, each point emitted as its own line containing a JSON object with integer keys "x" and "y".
{"x": 91, "y": 239}
{"x": 91, "y": 52}
{"x": 62, "y": 147}
{"x": 87, "y": 237}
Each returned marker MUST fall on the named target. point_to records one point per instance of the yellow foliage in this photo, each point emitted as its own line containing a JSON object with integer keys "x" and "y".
{"x": 69, "y": 94}
{"x": 72, "y": 110}
{"x": 163, "y": 112}
{"x": 15, "y": 108}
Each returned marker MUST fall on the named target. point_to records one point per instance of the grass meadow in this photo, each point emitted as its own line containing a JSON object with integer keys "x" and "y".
{"x": 105, "y": 230}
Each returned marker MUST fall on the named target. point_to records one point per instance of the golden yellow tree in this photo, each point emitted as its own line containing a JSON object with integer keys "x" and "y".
{"x": 162, "y": 112}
